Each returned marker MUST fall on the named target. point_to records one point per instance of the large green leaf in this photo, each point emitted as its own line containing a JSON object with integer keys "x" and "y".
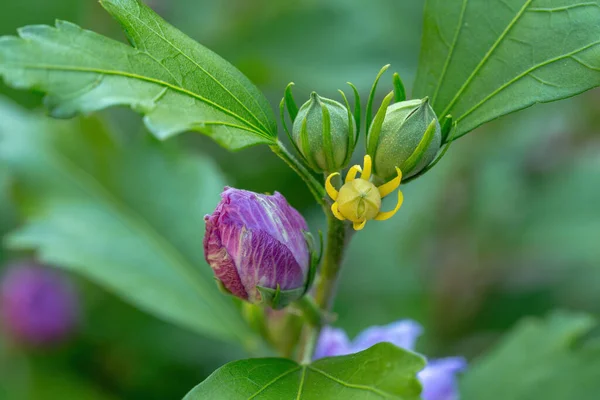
{"x": 128, "y": 216}
{"x": 382, "y": 372}
{"x": 175, "y": 82}
{"x": 484, "y": 59}
{"x": 547, "y": 360}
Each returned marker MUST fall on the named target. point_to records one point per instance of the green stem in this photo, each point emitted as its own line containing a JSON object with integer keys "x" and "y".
{"x": 310, "y": 335}
{"x": 338, "y": 235}
{"x": 315, "y": 187}
{"x": 337, "y": 239}
{"x": 313, "y": 315}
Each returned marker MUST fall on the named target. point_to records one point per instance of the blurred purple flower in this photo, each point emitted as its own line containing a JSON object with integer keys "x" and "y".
{"x": 38, "y": 305}
{"x": 438, "y": 377}
{"x": 333, "y": 342}
{"x": 402, "y": 333}
{"x": 256, "y": 240}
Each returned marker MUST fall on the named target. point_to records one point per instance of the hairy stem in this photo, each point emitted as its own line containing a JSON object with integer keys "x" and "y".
{"x": 315, "y": 187}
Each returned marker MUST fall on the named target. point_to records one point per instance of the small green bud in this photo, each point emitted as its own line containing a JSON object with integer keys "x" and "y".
{"x": 324, "y": 132}
{"x": 409, "y": 138}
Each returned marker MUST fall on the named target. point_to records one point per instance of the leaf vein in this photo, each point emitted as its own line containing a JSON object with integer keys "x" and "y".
{"x": 588, "y": 66}
{"x": 352, "y": 385}
{"x": 542, "y": 81}
{"x": 163, "y": 37}
{"x": 528, "y": 72}
{"x": 301, "y": 386}
{"x": 291, "y": 371}
{"x": 564, "y": 8}
{"x": 487, "y": 56}
{"x": 146, "y": 52}
{"x": 152, "y": 80}
{"x": 450, "y": 51}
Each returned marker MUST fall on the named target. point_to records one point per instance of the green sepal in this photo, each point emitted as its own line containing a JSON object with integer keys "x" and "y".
{"x": 304, "y": 144}
{"x": 399, "y": 90}
{"x": 321, "y": 247}
{"x": 372, "y": 96}
{"x": 446, "y": 127}
{"x": 283, "y": 123}
{"x": 417, "y": 155}
{"x": 357, "y": 111}
{"x": 287, "y": 100}
{"x": 290, "y": 103}
{"x": 315, "y": 258}
{"x": 439, "y": 157}
{"x": 375, "y": 129}
{"x": 277, "y": 298}
{"x": 351, "y": 135}
{"x": 327, "y": 140}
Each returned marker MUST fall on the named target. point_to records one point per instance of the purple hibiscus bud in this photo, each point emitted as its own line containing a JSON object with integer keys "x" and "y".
{"x": 254, "y": 240}
{"x": 38, "y": 305}
{"x": 439, "y": 376}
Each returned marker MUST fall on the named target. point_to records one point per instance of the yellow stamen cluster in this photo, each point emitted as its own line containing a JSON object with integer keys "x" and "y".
{"x": 359, "y": 200}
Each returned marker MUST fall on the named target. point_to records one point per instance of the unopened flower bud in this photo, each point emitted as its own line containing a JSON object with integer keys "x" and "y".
{"x": 324, "y": 132}
{"x": 359, "y": 200}
{"x": 409, "y": 138}
{"x": 257, "y": 248}
{"x": 38, "y": 305}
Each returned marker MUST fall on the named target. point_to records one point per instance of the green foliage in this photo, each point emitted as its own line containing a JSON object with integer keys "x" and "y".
{"x": 10, "y": 385}
{"x": 309, "y": 41}
{"x": 12, "y": 17}
{"x": 128, "y": 216}
{"x": 547, "y": 360}
{"x": 47, "y": 383}
{"x": 383, "y": 371}
{"x": 176, "y": 83}
{"x": 6, "y": 208}
{"x": 484, "y": 59}
{"x": 508, "y": 217}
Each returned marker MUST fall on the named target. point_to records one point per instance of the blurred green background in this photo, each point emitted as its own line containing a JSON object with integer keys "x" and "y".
{"x": 506, "y": 227}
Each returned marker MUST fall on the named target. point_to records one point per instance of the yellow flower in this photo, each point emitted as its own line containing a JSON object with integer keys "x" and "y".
{"x": 359, "y": 200}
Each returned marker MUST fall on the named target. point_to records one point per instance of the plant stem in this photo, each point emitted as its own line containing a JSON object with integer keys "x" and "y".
{"x": 309, "y": 342}
{"x": 315, "y": 187}
{"x": 313, "y": 315}
{"x": 338, "y": 235}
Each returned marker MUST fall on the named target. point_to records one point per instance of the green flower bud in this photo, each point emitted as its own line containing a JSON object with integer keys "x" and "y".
{"x": 324, "y": 132}
{"x": 409, "y": 138}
